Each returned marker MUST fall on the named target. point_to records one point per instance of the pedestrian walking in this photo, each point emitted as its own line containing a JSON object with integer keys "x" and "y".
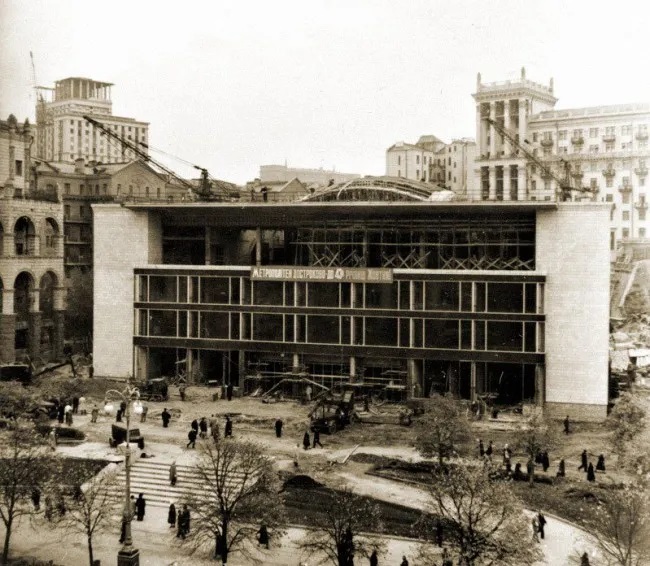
{"x": 481, "y": 449}
{"x": 546, "y": 463}
{"x": 561, "y": 469}
{"x": 306, "y": 441}
{"x": 94, "y": 414}
{"x": 535, "y": 529}
{"x": 541, "y": 521}
{"x": 172, "y": 473}
{"x": 36, "y": 498}
{"x": 490, "y": 450}
{"x": 214, "y": 429}
{"x": 308, "y": 391}
{"x": 316, "y": 439}
{"x": 171, "y": 515}
{"x": 263, "y": 536}
{"x": 91, "y": 372}
{"x": 181, "y": 391}
{"x": 123, "y": 407}
{"x": 52, "y": 439}
{"x": 278, "y": 427}
{"x": 118, "y": 416}
{"x": 583, "y": 461}
{"x": 195, "y": 426}
{"x": 506, "y": 454}
{"x": 140, "y": 504}
{"x": 228, "y": 427}
{"x": 60, "y": 414}
{"x": 192, "y": 438}
{"x": 517, "y": 474}
{"x": 75, "y": 405}
{"x": 600, "y": 465}
{"x": 530, "y": 468}
{"x": 68, "y": 418}
{"x": 584, "y": 560}
{"x": 374, "y": 559}
{"x": 229, "y": 390}
{"x": 567, "y": 423}
{"x": 591, "y": 475}
{"x": 166, "y": 417}
{"x": 404, "y": 562}
{"x": 439, "y": 533}
{"x": 203, "y": 427}
{"x": 143, "y": 414}
{"x": 186, "y": 520}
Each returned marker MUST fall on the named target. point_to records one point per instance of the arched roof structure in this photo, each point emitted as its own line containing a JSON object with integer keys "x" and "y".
{"x": 369, "y": 189}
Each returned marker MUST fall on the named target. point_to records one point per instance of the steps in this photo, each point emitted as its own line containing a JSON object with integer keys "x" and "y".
{"x": 152, "y": 480}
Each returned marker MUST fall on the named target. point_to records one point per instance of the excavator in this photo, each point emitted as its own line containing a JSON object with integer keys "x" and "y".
{"x": 565, "y": 188}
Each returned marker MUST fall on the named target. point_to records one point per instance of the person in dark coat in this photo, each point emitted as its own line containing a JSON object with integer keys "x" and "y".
{"x": 529, "y": 468}
{"x": 541, "y": 521}
{"x": 172, "y": 474}
{"x": 118, "y": 416}
{"x": 489, "y": 450}
{"x": 517, "y": 475}
{"x": 561, "y": 469}
{"x": 316, "y": 439}
{"x": 306, "y": 442}
{"x": 439, "y": 533}
{"x": 404, "y": 562}
{"x": 166, "y": 417}
{"x": 583, "y": 461}
{"x": 278, "y": 428}
{"x": 171, "y": 516}
{"x": 584, "y": 560}
{"x": 229, "y": 389}
{"x": 591, "y": 475}
{"x": 192, "y": 438}
{"x": 195, "y": 426}
{"x": 203, "y": 427}
{"x": 60, "y": 414}
{"x": 263, "y": 536}
{"x": 566, "y": 425}
{"x": 600, "y": 465}
{"x": 75, "y": 405}
{"x": 123, "y": 407}
{"x": 36, "y": 498}
{"x": 183, "y": 523}
{"x": 546, "y": 463}
{"x": 181, "y": 391}
{"x": 140, "y": 504}
{"x": 228, "y": 427}
{"x": 481, "y": 449}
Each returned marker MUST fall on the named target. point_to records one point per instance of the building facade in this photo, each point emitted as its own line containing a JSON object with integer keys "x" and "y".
{"x": 32, "y": 295}
{"x": 276, "y": 174}
{"x": 409, "y": 296}
{"x": 63, "y": 135}
{"x": 602, "y": 148}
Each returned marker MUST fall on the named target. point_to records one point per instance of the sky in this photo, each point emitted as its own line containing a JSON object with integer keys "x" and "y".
{"x": 232, "y": 85}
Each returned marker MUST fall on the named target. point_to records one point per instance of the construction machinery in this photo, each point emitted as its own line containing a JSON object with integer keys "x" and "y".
{"x": 203, "y": 192}
{"x": 332, "y": 411}
{"x": 565, "y": 187}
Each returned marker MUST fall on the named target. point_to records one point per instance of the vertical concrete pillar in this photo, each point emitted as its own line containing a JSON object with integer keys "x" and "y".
{"x": 493, "y": 183}
{"x": 472, "y": 386}
{"x": 522, "y": 192}
{"x": 208, "y": 245}
{"x": 506, "y": 182}
{"x": 414, "y": 385}
{"x": 258, "y": 246}
{"x": 493, "y": 132}
{"x": 507, "y": 149}
{"x": 540, "y": 385}
{"x": 353, "y": 368}
{"x": 480, "y": 142}
{"x": 295, "y": 361}
{"x": 523, "y": 120}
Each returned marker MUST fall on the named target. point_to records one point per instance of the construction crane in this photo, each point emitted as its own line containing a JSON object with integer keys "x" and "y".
{"x": 204, "y": 192}
{"x": 565, "y": 186}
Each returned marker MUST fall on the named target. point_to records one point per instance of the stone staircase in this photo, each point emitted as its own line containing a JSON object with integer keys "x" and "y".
{"x": 152, "y": 480}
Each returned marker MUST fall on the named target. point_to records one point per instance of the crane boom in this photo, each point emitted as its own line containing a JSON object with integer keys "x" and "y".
{"x": 204, "y": 192}
{"x": 564, "y": 185}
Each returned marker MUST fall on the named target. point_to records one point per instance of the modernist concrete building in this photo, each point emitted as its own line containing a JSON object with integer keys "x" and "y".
{"x": 63, "y": 135}
{"x": 375, "y": 282}
{"x": 31, "y": 255}
{"x": 602, "y": 147}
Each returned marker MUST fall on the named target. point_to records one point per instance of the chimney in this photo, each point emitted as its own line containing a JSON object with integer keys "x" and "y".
{"x": 79, "y": 164}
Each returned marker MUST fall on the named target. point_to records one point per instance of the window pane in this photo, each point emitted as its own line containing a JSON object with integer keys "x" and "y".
{"x": 531, "y": 297}
{"x": 162, "y": 323}
{"x": 143, "y": 316}
{"x": 162, "y": 288}
{"x": 479, "y": 335}
{"x": 234, "y": 326}
{"x": 480, "y": 297}
{"x": 531, "y": 339}
{"x": 466, "y": 297}
{"x": 417, "y": 295}
{"x": 345, "y": 329}
{"x": 404, "y": 332}
{"x": 235, "y": 283}
{"x": 440, "y": 333}
{"x": 182, "y": 323}
{"x": 405, "y": 295}
{"x": 345, "y": 290}
{"x": 505, "y": 297}
{"x": 323, "y": 295}
{"x": 323, "y": 329}
{"x": 214, "y": 290}
{"x": 288, "y": 293}
{"x": 182, "y": 289}
{"x": 143, "y": 287}
{"x": 440, "y": 295}
{"x": 381, "y": 331}
{"x": 504, "y": 336}
{"x": 466, "y": 334}
{"x": 381, "y": 296}
{"x": 214, "y": 325}
{"x": 267, "y": 327}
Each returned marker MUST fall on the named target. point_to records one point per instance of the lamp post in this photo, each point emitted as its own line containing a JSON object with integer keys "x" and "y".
{"x": 127, "y": 556}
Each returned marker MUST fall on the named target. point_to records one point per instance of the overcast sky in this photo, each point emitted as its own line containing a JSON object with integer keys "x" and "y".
{"x": 233, "y": 85}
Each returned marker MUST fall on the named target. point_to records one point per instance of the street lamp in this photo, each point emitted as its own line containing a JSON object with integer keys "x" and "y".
{"x": 127, "y": 556}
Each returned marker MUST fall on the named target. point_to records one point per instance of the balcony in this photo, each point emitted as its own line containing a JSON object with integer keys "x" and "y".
{"x": 547, "y": 142}
{"x": 642, "y": 135}
{"x": 625, "y": 188}
{"x": 641, "y": 205}
{"x": 609, "y": 137}
{"x": 609, "y": 172}
{"x": 641, "y": 171}
{"x": 578, "y": 140}
{"x": 577, "y": 175}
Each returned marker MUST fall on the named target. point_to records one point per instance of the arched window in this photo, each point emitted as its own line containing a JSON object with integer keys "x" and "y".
{"x": 24, "y": 236}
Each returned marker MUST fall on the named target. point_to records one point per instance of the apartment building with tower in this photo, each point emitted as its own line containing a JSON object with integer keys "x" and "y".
{"x": 32, "y": 296}
{"x": 603, "y": 149}
{"x": 63, "y": 135}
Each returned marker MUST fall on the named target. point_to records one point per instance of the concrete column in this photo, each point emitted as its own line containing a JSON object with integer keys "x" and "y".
{"x": 7, "y": 337}
{"x": 59, "y": 334}
{"x": 506, "y": 124}
{"x": 258, "y": 246}
{"x": 34, "y": 245}
{"x": 60, "y": 294}
{"x": 506, "y": 182}
{"x": 295, "y": 361}
{"x": 540, "y": 385}
{"x": 208, "y": 246}
{"x": 480, "y": 142}
{"x": 521, "y": 186}
{"x": 414, "y": 385}
{"x": 365, "y": 247}
{"x": 35, "y": 322}
{"x": 493, "y": 132}
{"x": 493, "y": 183}
{"x": 353, "y": 368}
{"x": 472, "y": 386}
{"x": 523, "y": 120}
{"x": 34, "y": 300}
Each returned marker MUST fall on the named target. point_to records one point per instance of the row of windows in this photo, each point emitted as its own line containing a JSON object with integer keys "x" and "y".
{"x": 477, "y": 335}
{"x": 576, "y": 134}
{"x": 402, "y": 295}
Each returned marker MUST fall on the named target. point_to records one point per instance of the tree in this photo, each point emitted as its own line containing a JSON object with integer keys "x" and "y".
{"x": 532, "y": 437}
{"x": 621, "y": 527}
{"x": 79, "y": 309}
{"x": 241, "y": 490}
{"x": 627, "y": 420}
{"x": 442, "y": 429}
{"x": 93, "y": 509}
{"x": 338, "y": 527}
{"x": 486, "y": 522}
{"x": 24, "y": 466}
{"x": 15, "y": 400}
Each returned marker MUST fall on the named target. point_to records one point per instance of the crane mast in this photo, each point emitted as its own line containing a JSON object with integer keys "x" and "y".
{"x": 564, "y": 185}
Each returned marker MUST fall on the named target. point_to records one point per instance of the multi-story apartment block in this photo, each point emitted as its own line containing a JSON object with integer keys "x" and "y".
{"x": 79, "y": 184}
{"x": 417, "y": 162}
{"x": 460, "y": 156}
{"x": 602, "y": 148}
{"x": 63, "y": 135}
{"x": 32, "y": 296}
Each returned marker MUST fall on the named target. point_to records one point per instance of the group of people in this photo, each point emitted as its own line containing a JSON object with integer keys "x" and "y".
{"x": 539, "y": 522}
{"x": 588, "y": 467}
{"x": 199, "y": 428}
{"x": 65, "y": 410}
{"x": 181, "y": 520}
{"x": 307, "y": 441}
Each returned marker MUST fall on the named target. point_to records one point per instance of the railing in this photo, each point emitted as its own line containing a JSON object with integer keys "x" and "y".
{"x": 578, "y": 140}
{"x": 609, "y": 172}
{"x": 641, "y": 205}
{"x": 609, "y": 137}
{"x": 626, "y": 188}
{"x": 642, "y": 135}
{"x": 547, "y": 142}
{"x": 641, "y": 171}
